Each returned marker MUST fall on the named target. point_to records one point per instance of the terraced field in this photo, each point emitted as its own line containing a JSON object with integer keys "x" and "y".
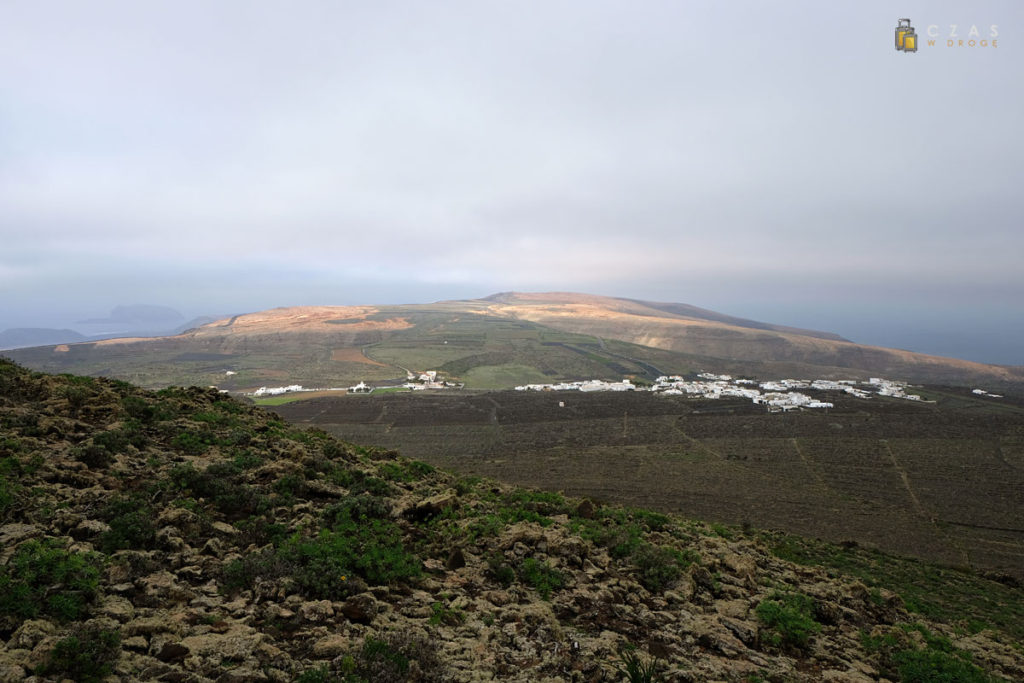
{"x": 941, "y": 481}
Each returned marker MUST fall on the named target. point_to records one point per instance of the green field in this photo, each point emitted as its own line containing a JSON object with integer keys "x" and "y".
{"x": 502, "y": 376}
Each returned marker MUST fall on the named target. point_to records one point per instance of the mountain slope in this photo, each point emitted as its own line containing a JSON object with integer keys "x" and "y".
{"x": 681, "y": 328}
{"x": 37, "y": 336}
{"x": 499, "y": 341}
{"x": 181, "y": 535}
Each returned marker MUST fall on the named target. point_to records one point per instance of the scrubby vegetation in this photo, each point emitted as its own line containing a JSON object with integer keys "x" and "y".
{"x": 789, "y": 620}
{"x": 182, "y": 535}
{"x": 87, "y": 655}
{"x": 911, "y": 653}
{"x": 42, "y": 577}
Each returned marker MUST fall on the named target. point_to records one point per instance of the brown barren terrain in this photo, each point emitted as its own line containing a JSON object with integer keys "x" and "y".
{"x": 937, "y": 481}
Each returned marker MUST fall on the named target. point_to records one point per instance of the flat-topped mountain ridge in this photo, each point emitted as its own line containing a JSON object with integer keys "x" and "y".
{"x": 495, "y": 342}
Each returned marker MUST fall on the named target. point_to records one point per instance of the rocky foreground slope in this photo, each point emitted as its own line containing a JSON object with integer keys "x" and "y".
{"x": 181, "y": 535}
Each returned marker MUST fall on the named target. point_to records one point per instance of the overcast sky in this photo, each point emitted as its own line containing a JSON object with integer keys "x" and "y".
{"x": 780, "y": 161}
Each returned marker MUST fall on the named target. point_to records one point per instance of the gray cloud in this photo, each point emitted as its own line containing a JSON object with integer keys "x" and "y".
{"x": 733, "y": 155}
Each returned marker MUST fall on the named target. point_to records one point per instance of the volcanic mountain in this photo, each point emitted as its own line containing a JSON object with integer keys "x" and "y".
{"x": 495, "y": 342}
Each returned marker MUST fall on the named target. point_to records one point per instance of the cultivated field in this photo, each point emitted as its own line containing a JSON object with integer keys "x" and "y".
{"x": 941, "y": 481}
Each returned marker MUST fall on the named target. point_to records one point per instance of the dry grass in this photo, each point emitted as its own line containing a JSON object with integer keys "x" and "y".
{"x": 354, "y": 355}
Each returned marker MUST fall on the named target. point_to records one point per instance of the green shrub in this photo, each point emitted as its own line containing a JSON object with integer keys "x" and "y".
{"x": 442, "y": 614}
{"x": 246, "y": 460}
{"x": 321, "y": 674}
{"x": 511, "y": 515}
{"x": 103, "y": 446}
{"x": 44, "y": 578}
{"x": 332, "y": 564}
{"x": 8, "y": 495}
{"x": 333, "y": 450}
{"x": 542, "y": 502}
{"x": 934, "y": 666}
{"x": 485, "y": 526}
{"x": 242, "y": 574}
{"x": 356, "y": 509}
{"x": 541, "y": 576}
{"x": 621, "y": 540}
{"x": 290, "y": 485}
{"x": 938, "y": 661}
{"x": 194, "y": 442}
{"x": 464, "y": 485}
{"x": 388, "y": 659}
{"x": 131, "y": 525}
{"x": 419, "y": 470}
{"x": 371, "y": 549}
{"x": 217, "y": 418}
{"x": 500, "y": 571}
{"x": 138, "y": 408}
{"x": 87, "y": 655}
{"x": 788, "y": 618}
{"x": 723, "y": 531}
{"x": 394, "y": 472}
{"x": 258, "y": 530}
{"x": 76, "y": 396}
{"x": 118, "y": 440}
{"x": 371, "y": 485}
{"x": 94, "y": 457}
{"x": 654, "y": 521}
{"x": 659, "y": 567}
{"x": 221, "y": 485}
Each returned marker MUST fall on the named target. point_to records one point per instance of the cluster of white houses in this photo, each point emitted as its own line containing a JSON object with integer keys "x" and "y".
{"x": 585, "y": 385}
{"x": 777, "y": 395}
{"x": 277, "y": 391}
{"x": 414, "y": 382}
{"x": 428, "y": 380}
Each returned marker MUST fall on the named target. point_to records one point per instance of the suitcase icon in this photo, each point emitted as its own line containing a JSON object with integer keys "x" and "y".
{"x": 906, "y": 38}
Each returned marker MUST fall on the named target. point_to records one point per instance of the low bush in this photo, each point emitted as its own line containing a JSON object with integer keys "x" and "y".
{"x": 442, "y": 614}
{"x": 333, "y": 564}
{"x": 357, "y": 509}
{"x": 484, "y": 526}
{"x": 131, "y": 525}
{"x": 500, "y": 571}
{"x": 289, "y": 486}
{"x": 221, "y": 485}
{"x": 7, "y": 491}
{"x": 44, "y": 578}
{"x": 87, "y": 655}
{"x": 138, "y": 408}
{"x": 194, "y": 442}
{"x": 659, "y": 567}
{"x": 243, "y": 573}
{"x": 540, "y": 576}
{"x": 909, "y": 660}
{"x": 789, "y": 621}
{"x": 94, "y": 457}
{"x": 371, "y": 549}
{"x": 388, "y": 659}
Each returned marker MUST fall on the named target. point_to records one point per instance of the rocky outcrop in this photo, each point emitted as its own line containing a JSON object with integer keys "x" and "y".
{"x": 198, "y": 539}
